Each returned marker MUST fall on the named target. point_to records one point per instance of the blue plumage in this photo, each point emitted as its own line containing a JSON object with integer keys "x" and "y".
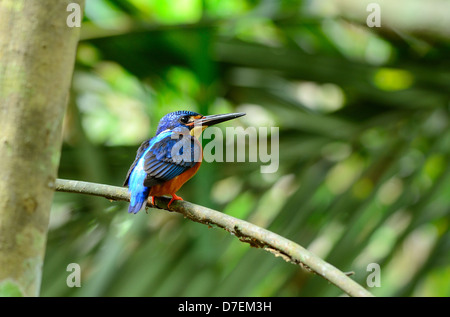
{"x": 155, "y": 164}
{"x": 137, "y": 190}
{"x": 172, "y": 152}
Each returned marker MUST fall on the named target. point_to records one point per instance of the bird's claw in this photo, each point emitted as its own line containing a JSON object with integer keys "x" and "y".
{"x": 174, "y": 197}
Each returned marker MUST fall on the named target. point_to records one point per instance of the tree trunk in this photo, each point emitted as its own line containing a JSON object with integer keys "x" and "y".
{"x": 37, "y": 53}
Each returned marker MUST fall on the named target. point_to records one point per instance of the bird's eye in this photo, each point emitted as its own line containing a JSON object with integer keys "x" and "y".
{"x": 184, "y": 119}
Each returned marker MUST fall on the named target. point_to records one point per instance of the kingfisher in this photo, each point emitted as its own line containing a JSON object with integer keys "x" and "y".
{"x": 166, "y": 161}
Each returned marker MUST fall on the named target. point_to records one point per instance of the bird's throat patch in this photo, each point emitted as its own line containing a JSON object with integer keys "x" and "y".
{"x": 197, "y": 130}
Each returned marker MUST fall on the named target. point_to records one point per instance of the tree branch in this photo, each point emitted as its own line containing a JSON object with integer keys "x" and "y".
{"x": 243, "y": 230}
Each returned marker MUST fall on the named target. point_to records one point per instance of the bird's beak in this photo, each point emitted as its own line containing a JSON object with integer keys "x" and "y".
{"x": 208, "y": 121}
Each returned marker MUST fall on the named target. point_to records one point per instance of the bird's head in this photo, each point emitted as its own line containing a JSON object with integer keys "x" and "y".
{"x": 194, "y": 122}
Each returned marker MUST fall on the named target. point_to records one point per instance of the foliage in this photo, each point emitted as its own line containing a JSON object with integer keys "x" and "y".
{"x": 364, "y": 147}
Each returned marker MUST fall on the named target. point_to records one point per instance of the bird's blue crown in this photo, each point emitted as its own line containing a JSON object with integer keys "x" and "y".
{"x": 172, "y": 120}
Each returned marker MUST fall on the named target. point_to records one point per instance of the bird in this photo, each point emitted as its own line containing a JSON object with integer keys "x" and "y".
{"x": 166, "y": 161}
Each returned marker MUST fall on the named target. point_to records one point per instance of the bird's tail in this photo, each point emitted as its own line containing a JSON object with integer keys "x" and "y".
{"x": 137, "y": 201}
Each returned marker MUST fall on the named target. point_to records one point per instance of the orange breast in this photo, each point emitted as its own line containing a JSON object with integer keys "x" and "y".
{"x": 172, "y": 186}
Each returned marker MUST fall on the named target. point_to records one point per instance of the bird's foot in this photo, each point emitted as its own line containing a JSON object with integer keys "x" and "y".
{"x": 174, "y": 197}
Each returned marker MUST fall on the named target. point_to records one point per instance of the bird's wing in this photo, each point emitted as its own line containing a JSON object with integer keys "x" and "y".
{"x": 139, "y": 153}
{"x": 170, "y": 157}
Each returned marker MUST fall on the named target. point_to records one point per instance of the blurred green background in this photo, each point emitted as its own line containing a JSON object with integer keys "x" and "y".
{"x": 364, "y": 172}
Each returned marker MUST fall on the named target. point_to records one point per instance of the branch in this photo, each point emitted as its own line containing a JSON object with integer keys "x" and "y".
{"x": 243, "y": 230}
